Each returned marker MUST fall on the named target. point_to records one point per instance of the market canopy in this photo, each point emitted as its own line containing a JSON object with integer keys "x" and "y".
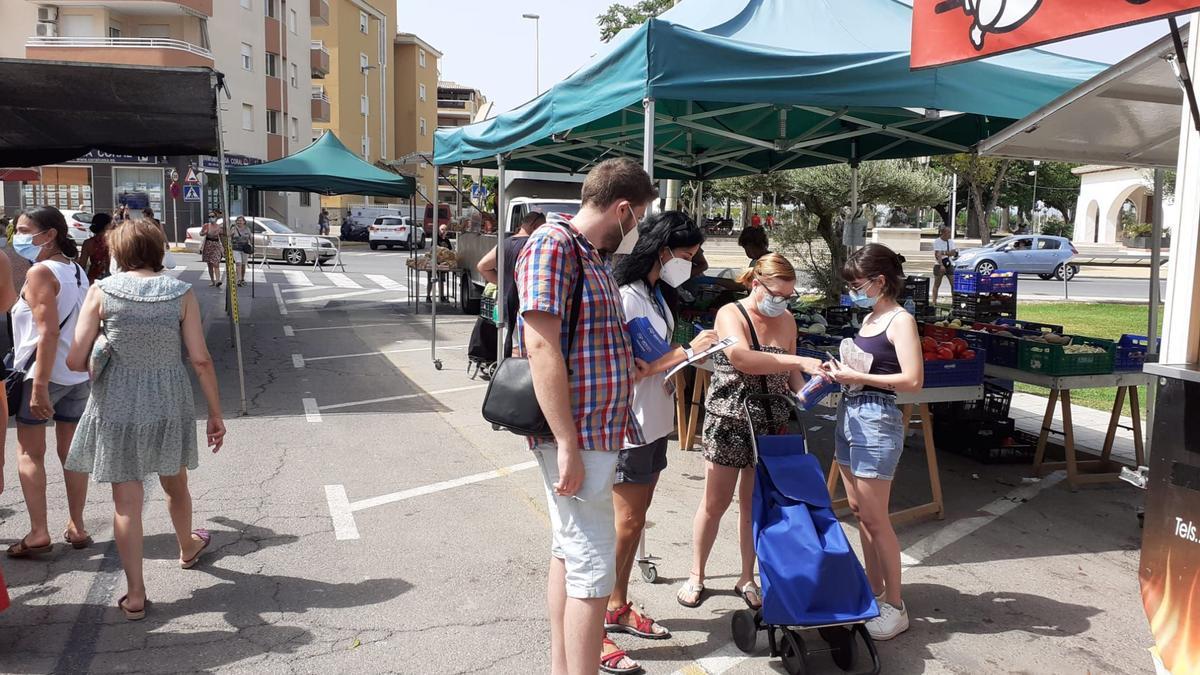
{"x": 325, "y": 167}
{"x": 1128, "y": 115}
{"x": 53, "y": 111}
{"x": 750, "y": 86}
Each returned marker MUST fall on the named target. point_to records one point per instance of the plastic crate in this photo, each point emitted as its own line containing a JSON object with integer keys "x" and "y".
{"x": 1131, "y": 352}
{"x": 986, "y": 308}
{"x": 916, "y": 288}
{"x": 1053, "y": 360}
{"x": 488, "y": 310}
{"x": 956, "y": 373}
{"x": 995, "y": 404}
{"x": 1031, "y": 325}
{"x": 837, "y": 316}
{"x": 684, "y": 333}
{"x": 1000, "y": 281}
{"x": 1002, "y": 350}
{"x": 939, "y": 333}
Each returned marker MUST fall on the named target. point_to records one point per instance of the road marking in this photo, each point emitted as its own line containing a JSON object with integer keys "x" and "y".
{"x": 310, "y": 287}
{"x": 337, "y": 296}
{"x": 311, "y": 411}
{"x": 288, "y": 331}
{"x": 258, "y": 276}
{"x": 382, "y": 351}
{"x": 386, "y": 282}
{"x": 341, "y": 510}
{"x": 351, "y": 404}
{"x": 342, "y": 280}
{"x": 297, "y": 360}
{"x": 279, "y": 300}
{"x": 357, "y": 325}
{"x": 297, "y": 278}
{"x": 728, "y": 656}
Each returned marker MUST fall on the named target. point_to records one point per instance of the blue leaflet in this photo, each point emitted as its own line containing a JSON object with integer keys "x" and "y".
{"x": 648, "y": 345}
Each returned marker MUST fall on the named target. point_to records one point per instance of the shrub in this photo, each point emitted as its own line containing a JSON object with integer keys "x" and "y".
{"x": 1057, "y": 227}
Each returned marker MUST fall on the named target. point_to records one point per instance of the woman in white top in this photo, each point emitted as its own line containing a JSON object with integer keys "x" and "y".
{"x": 43, "y": 322}
{"x": 662, "y": 259}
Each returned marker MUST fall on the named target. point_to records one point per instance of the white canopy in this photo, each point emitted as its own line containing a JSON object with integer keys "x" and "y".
{"x": 1126, "y": 116}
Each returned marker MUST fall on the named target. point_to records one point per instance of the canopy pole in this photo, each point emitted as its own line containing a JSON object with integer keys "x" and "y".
{"x": 648, "y": 138}
{"x": 458, "y": 195}
{"x": 435, "y": 275}
{"x": 501, "y": 275}
{"x": 954, "y": 207}
{"x": 1155, "y": 293}
{"x": 219, "y": 85}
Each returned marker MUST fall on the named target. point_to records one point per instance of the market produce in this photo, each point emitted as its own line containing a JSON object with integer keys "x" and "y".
{"x": 955, "y": 349}
{"x": 1083, "y": 349}
{"x": 444, "y": 257}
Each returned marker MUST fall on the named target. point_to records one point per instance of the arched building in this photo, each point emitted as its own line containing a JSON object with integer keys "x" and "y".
{"x": 1103, "y": 192}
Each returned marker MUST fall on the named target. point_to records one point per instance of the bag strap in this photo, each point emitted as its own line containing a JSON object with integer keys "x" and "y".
{"x": 762, "y": 379}
{"x": 574, "y": 312}
{"x": 33, "y": 356}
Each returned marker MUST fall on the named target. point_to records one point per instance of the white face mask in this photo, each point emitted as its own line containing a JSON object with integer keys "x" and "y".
{"x": 676, "y": 271}
{"x": 771, "y": 305}
{"x": 628, "y": 240}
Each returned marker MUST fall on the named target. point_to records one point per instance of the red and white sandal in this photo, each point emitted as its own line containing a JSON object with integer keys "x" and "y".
{"x": 643, "y": 626}
{"x": 611, "y": 662}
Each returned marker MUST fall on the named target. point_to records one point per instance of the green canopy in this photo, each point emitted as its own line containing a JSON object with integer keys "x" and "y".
{"x": 325, "y": 167}
{"x": 751, "y": 86}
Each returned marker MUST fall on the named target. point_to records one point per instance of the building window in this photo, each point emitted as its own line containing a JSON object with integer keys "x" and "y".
{"x": 247, "y": 57}
{"x": 421, "y": 92}
{"x": 114, "y": 32}
{"x": 246, "y": 4}
{"x": 423, "y": 128}
{"x": 291, "y": 21}
{"x": 363, "y": 23}
{"x": 363, "y": 63}
{"x": 272, "y": 65}
{"x": 271, "y": 8}
{"x": 364, "y": 104}
{"x": 421, "y": 57}
{"x": 247, "y": 117}
{"x": 295, "y": 76}
{"x": 305, "y": 199}
{"x": 273, "y": 122}
{"x": 366, "y": 147}
{"x": 295, "y": 130}
{"x": 137, "y": 188}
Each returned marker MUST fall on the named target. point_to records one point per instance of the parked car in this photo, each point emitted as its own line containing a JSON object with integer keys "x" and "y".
{"x": 392, "y": 231}
{"x": 276, "y": 241}
{"x": 1043, "y": 255}
{"x": 354, "y": 231}
{"x": 79, "y": 225}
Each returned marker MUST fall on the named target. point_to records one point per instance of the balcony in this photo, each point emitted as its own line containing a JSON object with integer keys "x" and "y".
{"x": 274, "y": 90}
{"x": 318, "y": 59}
{"x": 276, "y": 148}
{"x": 124, "y": 51}
{"x": 200, "y": 7}
{"x": 320, "y": 105}
{"x": 318, "y": 10}
{"x": 272, "y": 36}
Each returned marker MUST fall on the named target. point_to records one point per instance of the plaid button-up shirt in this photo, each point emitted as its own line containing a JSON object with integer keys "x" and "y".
{"x": 600, "y": 363}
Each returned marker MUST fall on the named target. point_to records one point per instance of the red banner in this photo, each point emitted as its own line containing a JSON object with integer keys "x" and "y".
{"x": 952, "y": 31}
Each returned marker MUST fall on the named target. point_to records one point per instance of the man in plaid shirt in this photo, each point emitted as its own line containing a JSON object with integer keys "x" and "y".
{"x": 585, "y": 394}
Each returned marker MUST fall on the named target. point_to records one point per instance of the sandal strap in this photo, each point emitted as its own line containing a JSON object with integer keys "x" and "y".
{"x": 644, "y": 623}
{"x": 614, "y": 615}
{"x": 611, "y": 659}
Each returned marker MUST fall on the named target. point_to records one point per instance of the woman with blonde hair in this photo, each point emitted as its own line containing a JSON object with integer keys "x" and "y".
{"x": 763, "y": 360}
{"x": 140, "y": 419}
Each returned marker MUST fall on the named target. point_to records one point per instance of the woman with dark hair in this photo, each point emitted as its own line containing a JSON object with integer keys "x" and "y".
{"x": 512, "y": 248}
{"x": 94, "y": 257}
{"x": 870, "y": 428}
{"x": 213, "y": 248}
{"x": 661, "y": 259}
{"x": 43, "y": 323}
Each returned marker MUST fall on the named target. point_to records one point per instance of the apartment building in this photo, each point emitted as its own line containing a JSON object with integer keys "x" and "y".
{"x": 262, "y": 46}
{"x": 460, "y": 105}
{"x": 353, "y": 87}
{"x": 417, "y": 68}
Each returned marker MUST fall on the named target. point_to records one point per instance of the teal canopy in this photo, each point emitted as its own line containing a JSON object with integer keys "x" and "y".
{"x": 325, "y": 167}
{"x": 750, "y": 86}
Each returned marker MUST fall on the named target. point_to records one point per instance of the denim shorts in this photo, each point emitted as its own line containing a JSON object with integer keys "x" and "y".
{"x": 68, "y": 401}
{"x": 870, "y": 435}
{"x": 583, "y": 533}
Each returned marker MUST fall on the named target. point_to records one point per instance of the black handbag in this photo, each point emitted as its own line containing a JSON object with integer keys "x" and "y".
{"x": 14, "y": 378}
{"x": 510, "y": 402}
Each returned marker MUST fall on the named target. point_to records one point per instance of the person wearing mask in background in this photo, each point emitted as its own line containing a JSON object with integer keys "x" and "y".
{"x": 869, "y": 437}
{"x": 140, "y": 418}
{"x": 585, "y": 391}
{"x": 754, "y": 242}
{"x": 944, "y": 253}
{"x": 213, "y": 249}
{"x": 662, "y": 259}
{"x": 43, "y": 323}
{"x": 94, "y": 256}
{"x": 763, "y": 360}
{"x": 323, "y": 223}
{"x": 512, "y": 249}
{"x": 239, "y": 239}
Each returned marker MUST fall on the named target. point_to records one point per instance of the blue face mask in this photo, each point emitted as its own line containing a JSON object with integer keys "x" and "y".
{"x": 23, "y": 246}
{"x": 862, "y": 300}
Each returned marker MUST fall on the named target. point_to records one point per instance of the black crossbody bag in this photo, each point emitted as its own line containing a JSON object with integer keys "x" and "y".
{"x": 510, "y": 402}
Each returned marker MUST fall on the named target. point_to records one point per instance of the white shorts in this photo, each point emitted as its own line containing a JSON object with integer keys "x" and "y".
{"x": 583, "y": 534}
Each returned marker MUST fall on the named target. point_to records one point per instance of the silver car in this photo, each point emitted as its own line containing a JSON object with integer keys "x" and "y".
{"x": 276, "y": 241}
{"x": 1039, "y": 254}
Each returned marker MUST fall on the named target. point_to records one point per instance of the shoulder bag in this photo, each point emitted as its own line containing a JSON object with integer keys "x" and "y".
{"x": 510, "y": 402}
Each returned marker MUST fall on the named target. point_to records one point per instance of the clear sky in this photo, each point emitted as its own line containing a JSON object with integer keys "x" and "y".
{"x": 487, "y": 45}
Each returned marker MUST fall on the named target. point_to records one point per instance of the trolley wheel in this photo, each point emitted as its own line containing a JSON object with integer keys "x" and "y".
{"x": 437, "y": 364}
{"x": 841, "y": 646}
{"x": 649, "y": 571}
{"x": 791, "y": 651}
{"x": 745, "y": 630}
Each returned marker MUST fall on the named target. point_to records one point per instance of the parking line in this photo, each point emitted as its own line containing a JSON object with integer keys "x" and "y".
{"x": 344, "y": 526}
{"x": 288, "y": 331}
{"x": 342, "y": 280}
{"x": 351, "y": 404}
{"x": 383, "y": 351}
{"x": 296, "y": 278}
{"x": 311, "y": 411}
{"x": 297, "y": 361}
{"x": 386, "y": 282}
{"x": 279, "y": 300}
{"x": 337, "y": 296}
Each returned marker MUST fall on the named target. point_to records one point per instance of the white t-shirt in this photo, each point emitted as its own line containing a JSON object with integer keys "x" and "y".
{"x": 653, "y": 404}
{"x": 71, "y": 291}
{"x": 940, "y": 244}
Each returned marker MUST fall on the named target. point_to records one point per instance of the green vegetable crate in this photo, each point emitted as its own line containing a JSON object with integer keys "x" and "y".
{"x": 1054, "y": 360}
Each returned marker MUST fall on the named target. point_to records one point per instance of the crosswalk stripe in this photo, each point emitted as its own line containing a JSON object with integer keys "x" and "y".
{"x": 386, "y": 283}
{"x": 297, "y": 278}
{"x": 258, "y": 276}
{"x": 342, "y": 280}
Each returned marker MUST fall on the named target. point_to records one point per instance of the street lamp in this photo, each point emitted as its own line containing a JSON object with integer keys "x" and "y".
{"x": 1033, "y": 209}
{"x": 366, "y": 113}
{"x": 537, "y": 59}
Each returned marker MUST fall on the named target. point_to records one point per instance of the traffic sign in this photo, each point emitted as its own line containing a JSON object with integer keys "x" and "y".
{"x": 192, "y": 178}
{"x": 191, "y": 193}
{"x": 173, "y": 175}
{"x": 479, "y": 191}
{"x": 175, "y": 190}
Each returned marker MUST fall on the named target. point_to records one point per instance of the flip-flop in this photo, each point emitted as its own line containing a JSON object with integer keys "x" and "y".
{"x": 204, "y": 537}
{"x": 78, "y": 544}
{"x": 24, "y": 550}
{"x": 745, "y": 591}
{"x": 689, "y": 588}
{"x": 131, "y": 615}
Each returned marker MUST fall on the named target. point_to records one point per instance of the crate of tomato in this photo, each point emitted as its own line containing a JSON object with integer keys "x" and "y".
{"x": 1002, "y": 342}
{"x": 1060, "y": 355}
{"x": 952, "y": 363}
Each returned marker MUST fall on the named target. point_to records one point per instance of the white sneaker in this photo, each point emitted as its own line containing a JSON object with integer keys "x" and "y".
{"x": 890, "y": 622}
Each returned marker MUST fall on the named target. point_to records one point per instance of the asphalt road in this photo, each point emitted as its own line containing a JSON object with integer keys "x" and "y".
{"x": 367, "y": 520}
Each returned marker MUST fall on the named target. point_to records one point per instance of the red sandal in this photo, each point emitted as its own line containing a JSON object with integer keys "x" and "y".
{"x": 609, "y": 661}
{"x": 643, "y": 626}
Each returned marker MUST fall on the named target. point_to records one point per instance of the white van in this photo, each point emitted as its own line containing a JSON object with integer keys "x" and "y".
{"x": 365, "y": 215}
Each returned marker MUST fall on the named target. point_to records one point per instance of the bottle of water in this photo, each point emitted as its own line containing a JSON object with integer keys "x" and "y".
{"x": 910, "y": 306}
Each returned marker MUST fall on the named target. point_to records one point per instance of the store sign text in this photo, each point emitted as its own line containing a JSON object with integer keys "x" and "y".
{"x": 1186, "y": 530}
{"x": 98, "y": 157}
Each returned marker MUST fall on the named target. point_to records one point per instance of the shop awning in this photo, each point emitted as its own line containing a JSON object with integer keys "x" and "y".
{"x": 27, "y": 175}
{"x": 53, "y": 111}
{"x": 325, "y": 167}
{"x": 1127, "y": 116}
{"x": 750, "y": 86}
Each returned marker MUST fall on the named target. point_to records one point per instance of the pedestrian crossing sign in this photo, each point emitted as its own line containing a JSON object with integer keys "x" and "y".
{"x": 191, "y": 193}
